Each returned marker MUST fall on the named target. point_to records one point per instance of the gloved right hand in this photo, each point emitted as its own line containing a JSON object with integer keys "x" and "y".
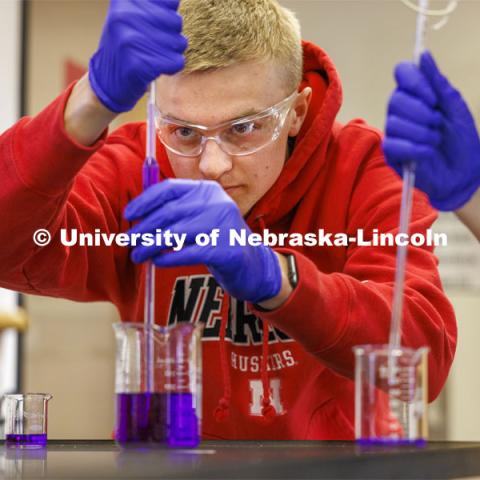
{"x": 429, "y": 123}
{"x": 141, "y": 40}
{"x": 191, "y": 207}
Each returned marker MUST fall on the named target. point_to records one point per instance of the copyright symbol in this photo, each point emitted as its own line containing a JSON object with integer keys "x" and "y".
{"x": 42, "y": 237}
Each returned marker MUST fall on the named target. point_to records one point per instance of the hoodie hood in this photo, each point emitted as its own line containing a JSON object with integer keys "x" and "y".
{"x": 309, "y": 153}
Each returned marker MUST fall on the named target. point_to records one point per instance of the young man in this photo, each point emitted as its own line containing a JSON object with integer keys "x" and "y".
{"x": 429, "y": 123}
{"x": 248, "y": 143}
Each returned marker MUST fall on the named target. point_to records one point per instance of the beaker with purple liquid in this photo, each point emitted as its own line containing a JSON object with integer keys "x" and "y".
{"x": 185, "y": 387}
{"x": 165, "y": 410}
{"x": 26, "y": 419}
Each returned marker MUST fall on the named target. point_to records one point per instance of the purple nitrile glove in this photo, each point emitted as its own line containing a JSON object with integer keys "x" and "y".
{"x": 140, "y": 41}
{"x": 428, "y": 122}
{"x": 190, "y": 207}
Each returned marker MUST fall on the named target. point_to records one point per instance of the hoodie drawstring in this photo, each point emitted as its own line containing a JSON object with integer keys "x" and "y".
{"x": 223, "y": 408}
{"x": 268, "y": 411}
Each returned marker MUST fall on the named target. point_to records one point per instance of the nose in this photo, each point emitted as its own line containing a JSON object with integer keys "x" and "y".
{"x": 214, "y": 162}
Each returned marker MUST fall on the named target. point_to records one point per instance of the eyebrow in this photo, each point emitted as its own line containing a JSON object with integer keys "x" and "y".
{"x": 246, "y": 113}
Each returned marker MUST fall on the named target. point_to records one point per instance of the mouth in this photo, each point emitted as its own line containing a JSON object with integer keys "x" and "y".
{"x": 231, "y": 188}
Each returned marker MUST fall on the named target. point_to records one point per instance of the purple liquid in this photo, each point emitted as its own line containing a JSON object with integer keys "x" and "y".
{"x": 141, "y": 418}
{"x": 157, "y": 418}
{"x": 419, "y": 442}
{"x": 22, "y": 439}
{"x": 150, "y": 173}
{"x": 183, "y": 421}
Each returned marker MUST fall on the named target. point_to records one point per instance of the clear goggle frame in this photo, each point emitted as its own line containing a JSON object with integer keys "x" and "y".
{"x": 243, "y": 136}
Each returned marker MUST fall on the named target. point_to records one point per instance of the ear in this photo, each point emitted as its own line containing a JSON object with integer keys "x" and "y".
{"x": 299, "y": 111}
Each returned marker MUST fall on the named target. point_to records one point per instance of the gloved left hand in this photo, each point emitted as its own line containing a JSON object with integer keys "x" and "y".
{"x": 250, "y": 273}
{"x": 429, "y": 123}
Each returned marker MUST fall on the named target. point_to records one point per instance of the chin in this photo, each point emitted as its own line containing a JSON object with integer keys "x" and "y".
{"x": 243, "y": 204}
{"x": 243, "y": 209}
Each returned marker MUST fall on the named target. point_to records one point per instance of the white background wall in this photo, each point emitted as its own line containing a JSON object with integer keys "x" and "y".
{"x": 10, "y": 62}
{"x": 9, "y": 112}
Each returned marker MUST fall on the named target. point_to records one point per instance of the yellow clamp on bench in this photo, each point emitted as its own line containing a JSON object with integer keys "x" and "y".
{"x": 17, "y": 320}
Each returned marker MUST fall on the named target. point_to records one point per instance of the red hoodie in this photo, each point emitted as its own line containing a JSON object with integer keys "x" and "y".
{"x": 335, "y": 180}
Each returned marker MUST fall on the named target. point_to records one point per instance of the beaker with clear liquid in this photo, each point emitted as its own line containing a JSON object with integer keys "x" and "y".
{"x": 159, "y": 405}
{"x": 391, "y": 395}
{"x": 26, "y": 418}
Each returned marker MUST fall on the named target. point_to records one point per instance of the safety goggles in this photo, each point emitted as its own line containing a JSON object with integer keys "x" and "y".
{"x": 242, "y": 136}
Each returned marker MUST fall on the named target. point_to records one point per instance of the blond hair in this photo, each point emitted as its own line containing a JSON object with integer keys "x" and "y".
{"x": 226, "y": 32}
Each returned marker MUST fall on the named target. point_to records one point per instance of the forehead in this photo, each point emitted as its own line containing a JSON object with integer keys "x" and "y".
{"x": 219, "y": 95}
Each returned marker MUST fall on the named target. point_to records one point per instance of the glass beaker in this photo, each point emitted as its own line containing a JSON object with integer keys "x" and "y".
{"x": 155, "y": 403}
{"x": 26, "y": 418}
{"x": 185, "y": 386}
{"x": 391, "y": 395}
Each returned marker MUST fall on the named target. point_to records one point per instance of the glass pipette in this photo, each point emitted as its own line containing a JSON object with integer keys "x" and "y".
{"x": 150, "y": 177}
{"x": 406, "y": 203}
{"x": 409, "y": 170}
